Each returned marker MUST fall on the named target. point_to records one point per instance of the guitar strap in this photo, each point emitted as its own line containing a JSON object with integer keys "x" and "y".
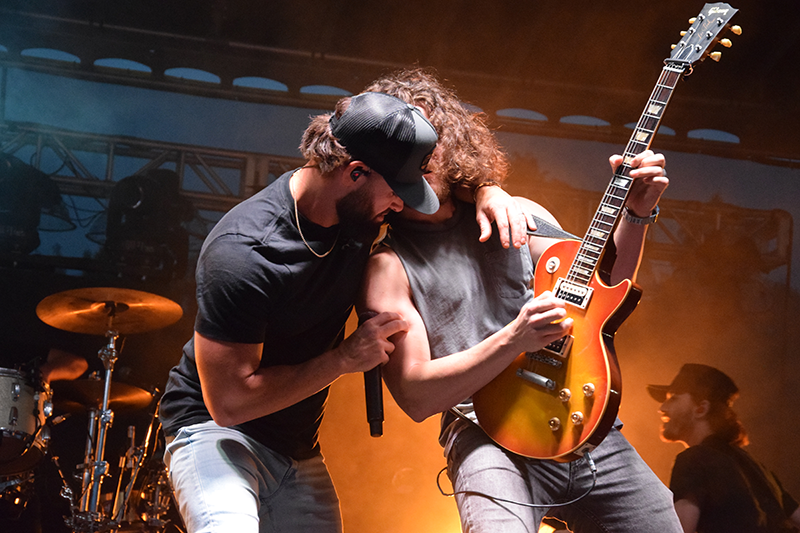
{"x": 546, "y": 229}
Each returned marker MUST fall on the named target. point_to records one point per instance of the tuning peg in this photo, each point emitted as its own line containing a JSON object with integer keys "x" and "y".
{"x": 673, "y": 46}
{"x": 715, "y": 56}
{"x": 692, "y": 20}
{"x": 726, "y": 43}
{"x": 683, "y": 33}
{"x": 737, "y": 30}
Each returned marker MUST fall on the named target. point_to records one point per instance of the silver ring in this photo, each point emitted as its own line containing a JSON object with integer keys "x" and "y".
{"x": 663, "y": 172}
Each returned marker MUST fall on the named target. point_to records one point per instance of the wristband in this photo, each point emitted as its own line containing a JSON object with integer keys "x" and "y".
{"x": 487, "y": 183}
{"x": 640, "y": 221}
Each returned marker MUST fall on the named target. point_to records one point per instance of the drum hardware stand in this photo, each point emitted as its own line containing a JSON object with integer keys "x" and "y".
{"x": 89, "y": 517}
{"x": 134, "y": 459}
{"x": 110, "y": 312}
{"x": 155, "y": 493}
{"x": 66, "y": 490}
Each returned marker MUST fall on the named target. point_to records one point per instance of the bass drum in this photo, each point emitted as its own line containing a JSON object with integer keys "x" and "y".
{"x": 24, "y": 407}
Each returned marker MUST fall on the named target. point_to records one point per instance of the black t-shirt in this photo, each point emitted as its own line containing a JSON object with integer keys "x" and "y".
{"x": 735, "y": 493}
{"x": 258, "y": 282}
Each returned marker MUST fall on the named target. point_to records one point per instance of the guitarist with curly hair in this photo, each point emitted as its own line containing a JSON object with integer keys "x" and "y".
{"x": 471, "y": 310}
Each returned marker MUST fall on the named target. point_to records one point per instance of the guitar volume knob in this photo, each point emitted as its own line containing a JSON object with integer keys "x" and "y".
{"x": 552, "y": 265}
{"x": 588, "y": 390}
{"x": 554, "y": 423}
{"x": 576, "y": 418}
{"x": 564, "y": 395}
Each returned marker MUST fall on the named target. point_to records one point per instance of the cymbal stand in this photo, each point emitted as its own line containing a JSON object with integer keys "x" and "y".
{"x": 134, "y": 459}
{"x": 89, "y": 517}
{"x": 66, "y": 490}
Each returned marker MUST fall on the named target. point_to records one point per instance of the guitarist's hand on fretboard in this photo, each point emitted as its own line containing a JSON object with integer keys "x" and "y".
{"x": 650, "y": 181}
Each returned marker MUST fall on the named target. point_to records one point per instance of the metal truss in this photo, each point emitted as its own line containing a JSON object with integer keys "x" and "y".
{"x": 215, "y": 179}
{"x": 89, "y": 164}
{"x": 686, "y": 228}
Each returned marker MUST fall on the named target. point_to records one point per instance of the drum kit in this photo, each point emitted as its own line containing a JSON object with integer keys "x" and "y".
{"x": 27, "y": 408}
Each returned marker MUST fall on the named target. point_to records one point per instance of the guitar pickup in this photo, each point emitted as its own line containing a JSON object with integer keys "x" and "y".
{"x": 572, "y": 293}
{"x": 560, "y": 347}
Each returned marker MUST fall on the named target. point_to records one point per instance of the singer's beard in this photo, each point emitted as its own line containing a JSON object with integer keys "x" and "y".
{"x": 355, "y": 208}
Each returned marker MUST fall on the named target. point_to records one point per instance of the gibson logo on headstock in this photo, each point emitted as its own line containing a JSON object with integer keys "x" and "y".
{"x": 715, "y": 10}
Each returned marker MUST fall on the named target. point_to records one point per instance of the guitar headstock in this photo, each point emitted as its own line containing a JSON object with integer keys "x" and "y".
{"x": 706, "y": 31}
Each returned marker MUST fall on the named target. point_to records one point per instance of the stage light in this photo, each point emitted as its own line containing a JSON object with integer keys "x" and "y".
{"x": 143, "y": 231}
{"x": 30, "y": 201}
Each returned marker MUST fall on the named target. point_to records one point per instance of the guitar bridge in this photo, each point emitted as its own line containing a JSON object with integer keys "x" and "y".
{"x": 572, "y": 293}
{"x": 539, "y": 357}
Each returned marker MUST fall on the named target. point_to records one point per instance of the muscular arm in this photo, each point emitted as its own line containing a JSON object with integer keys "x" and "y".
{"x": 423, "y": 386}
{"x": 689, "y": 515}
{"x": 236, "y": 389}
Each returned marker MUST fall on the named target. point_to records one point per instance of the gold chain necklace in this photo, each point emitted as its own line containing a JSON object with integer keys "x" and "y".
{"x": 297, "y": 221}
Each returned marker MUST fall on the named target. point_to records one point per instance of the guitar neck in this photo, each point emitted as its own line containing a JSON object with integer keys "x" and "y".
{"x": 608, "y": 213}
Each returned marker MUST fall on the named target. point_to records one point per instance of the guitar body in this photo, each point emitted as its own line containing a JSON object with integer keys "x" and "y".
{"x": 517, "y": 413}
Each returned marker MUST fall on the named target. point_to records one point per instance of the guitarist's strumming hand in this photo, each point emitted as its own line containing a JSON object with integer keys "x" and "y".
{"x": 540, "y": 321}
{"x": 650, "y": 181}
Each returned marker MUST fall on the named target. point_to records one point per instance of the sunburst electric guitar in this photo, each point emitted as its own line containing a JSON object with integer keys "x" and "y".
{"x": 560, "y": 402}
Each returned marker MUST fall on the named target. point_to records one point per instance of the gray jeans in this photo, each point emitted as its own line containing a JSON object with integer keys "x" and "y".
{"x": 226, "y": 481}
{"x": 628, "y": 497}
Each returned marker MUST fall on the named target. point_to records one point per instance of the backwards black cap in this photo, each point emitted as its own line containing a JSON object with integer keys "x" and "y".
{"x": 395, "y": 139}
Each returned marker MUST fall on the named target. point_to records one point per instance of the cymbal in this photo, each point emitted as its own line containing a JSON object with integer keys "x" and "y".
{"x": 79, "y": 395}
{"x": 96, "y": 310}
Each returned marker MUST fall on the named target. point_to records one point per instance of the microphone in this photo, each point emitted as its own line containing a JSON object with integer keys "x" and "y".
{"x": 373, "y": 390}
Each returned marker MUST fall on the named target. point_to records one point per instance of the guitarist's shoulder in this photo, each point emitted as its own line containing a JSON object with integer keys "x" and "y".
{"x": 531, "y": 207}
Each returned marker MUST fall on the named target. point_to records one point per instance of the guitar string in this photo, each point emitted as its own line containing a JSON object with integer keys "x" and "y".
{"x": 665, "y": 81}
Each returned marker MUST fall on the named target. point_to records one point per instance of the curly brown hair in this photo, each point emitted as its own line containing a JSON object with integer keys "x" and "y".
{"x": 319, "y": 146}
{"x": 470, "y": 151}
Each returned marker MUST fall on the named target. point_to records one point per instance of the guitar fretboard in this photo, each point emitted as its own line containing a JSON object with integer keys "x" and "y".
{"x": 607, "y": 215}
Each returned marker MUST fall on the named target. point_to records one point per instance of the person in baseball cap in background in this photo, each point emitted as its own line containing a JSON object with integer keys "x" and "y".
{"x": 717, "y": 486}
{"x": 276, "y": 281}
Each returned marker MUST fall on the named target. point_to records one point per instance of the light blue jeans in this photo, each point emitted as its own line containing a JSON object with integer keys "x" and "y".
{"x": 224, "y": 481}
{"x": 628, "y": 497}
